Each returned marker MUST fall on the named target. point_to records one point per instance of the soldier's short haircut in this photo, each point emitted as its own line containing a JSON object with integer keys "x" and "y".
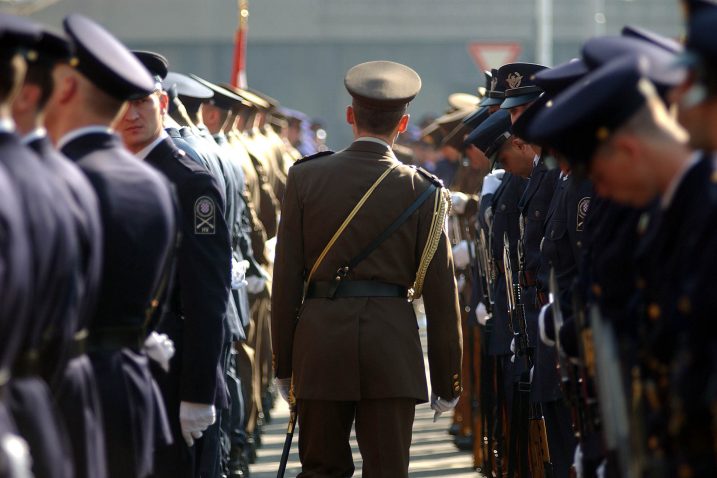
{"x": 102, "y": 103}
{"x": 377, "y": 121}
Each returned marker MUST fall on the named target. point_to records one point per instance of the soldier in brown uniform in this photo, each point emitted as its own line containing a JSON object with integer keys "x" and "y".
{"x": 352, "y": 347}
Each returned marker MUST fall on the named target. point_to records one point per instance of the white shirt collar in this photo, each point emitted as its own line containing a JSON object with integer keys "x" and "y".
{"x": 669, "y": 193}
{"x": 142, "y": 153}
{"x": 536, "y": 160}
{"x": 36, "y": 133}
{"x": 371, "y": 139}
{"x": 74, "y": 134}
{"x": 7, "y": 125}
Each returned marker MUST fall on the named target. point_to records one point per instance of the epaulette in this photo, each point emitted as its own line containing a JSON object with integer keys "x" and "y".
{"x": 431, "y": 177}
{"x": 314, "y": 156}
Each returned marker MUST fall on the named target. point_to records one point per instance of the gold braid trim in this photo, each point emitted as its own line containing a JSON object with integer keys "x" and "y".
{"x": 441, "y": 206}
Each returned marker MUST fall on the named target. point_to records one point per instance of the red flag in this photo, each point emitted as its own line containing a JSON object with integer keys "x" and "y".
{"x": 239, "y": 67}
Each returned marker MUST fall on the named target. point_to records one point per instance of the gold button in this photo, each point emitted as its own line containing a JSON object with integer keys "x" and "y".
{"x": 653, "y": 311}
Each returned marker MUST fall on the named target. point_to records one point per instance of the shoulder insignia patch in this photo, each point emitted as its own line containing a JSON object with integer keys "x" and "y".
{"x": 314, "y": 156}
{"x": 204, "y": 216}
{"x": 431, "y": 177}
{"x": 583, "y": 206}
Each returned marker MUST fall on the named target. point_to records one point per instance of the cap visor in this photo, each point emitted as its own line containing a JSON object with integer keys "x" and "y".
{"x": 515, "y": 101}
{"x": 491, "y": 102}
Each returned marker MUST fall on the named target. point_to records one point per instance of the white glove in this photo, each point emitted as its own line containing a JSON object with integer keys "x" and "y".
{"x": 512, "y": 349}
{"x": 284, "y": 386}
{"x": 194, "y": 418}
{"x": 439, "y": 405}
{"x": 491, "y": 182}
{"x": 239, "y": 273}
{"x": 15, "y": 456}
{"x": 482, "y": 314}
{"x": 159, "y": 348}
{"x": 578, "y": 462}
{"x": 461, "y": 258}
{"x": 255, "y": 284}
{"x": 458, "y": 202}
{"x": 541, "y": 326}
{"x": 532, "y": 370}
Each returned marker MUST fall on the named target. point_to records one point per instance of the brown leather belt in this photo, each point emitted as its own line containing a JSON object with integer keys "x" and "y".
{"x": 355, "y": 288}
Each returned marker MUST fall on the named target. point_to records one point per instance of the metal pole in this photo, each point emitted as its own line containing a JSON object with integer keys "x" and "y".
{"x": 544, "y": 32}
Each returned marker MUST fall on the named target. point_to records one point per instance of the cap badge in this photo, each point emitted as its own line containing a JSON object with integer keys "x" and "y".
{"x": 514, "y": 80}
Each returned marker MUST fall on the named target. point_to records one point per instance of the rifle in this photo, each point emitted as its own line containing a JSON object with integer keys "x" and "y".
{"x": 487, "y": 373}
{"x": 519, "y": 436}
{"x": 612, "y": 400}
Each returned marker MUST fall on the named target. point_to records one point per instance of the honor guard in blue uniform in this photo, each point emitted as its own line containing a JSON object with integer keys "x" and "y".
{"x": 136, "y": 204}
{"x": 491, "y": 137}
{"x": 16, "y": 270}
{"x": 55, "y": 256}
{"x": 62, "y": 361}
{"x": 523, "y": 100}
{"x": 638, "y": 154}
{"x": 195, "y": 317}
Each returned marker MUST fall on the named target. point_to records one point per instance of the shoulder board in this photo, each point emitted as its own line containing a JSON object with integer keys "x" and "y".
{"x": 431, "y": 177}
{"x": 314, "y": 156}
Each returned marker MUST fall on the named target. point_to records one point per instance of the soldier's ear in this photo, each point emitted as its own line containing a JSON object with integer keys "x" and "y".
{"x": 350, "y": 118}
{"x": 403, "y": 124}
{"x": 66, "y": 83}
{"x": 163, "y": 102}
{"x": 625, "y": 147}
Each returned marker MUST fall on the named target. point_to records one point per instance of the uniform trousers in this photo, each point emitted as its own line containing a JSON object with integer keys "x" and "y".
{"x": 383, "y": 431}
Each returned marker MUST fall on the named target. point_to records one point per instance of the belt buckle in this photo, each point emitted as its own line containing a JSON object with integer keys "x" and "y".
{"x": 341, "y": 274}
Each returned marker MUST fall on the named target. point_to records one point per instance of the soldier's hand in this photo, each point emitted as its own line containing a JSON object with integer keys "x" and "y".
{"x": 255, "y": 284}
{"x": 284, "y": 386}
{"x": 458, "y": 202}
{"x": 194, "y": 418}
{"x": 159, "y": 348}
{"x": 440, "y": 405}
{"x": 482, "y": 314}
{"x": 239, "y": 269}
{"x": 461, "y": 257}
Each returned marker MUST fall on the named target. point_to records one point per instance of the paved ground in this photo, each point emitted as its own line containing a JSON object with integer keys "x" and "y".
{"x": 432, "y": 451}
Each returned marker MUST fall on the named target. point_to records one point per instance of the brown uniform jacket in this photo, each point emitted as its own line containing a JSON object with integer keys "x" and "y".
{"x": 356, "y": 348}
